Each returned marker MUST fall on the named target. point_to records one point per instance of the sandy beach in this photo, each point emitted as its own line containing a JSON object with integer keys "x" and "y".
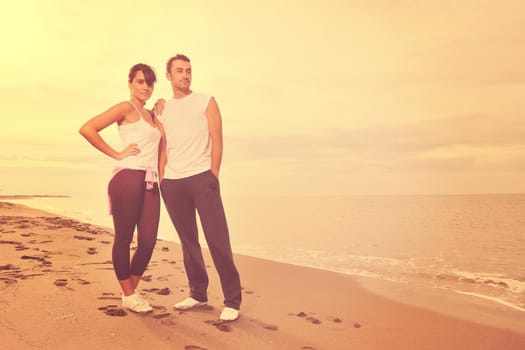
{"x": 58, "y": 291}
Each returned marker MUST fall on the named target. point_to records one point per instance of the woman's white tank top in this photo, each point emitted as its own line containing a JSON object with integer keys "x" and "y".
{"x": 146, "y": 137}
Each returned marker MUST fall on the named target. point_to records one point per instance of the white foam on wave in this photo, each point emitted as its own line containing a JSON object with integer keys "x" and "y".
{"x": 424, "y": 271}
{"x": 496, "y": 300}
{"x": 494, "y": 280}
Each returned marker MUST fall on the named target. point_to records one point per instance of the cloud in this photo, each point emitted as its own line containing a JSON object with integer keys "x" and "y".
{"x": 461, "y": 144}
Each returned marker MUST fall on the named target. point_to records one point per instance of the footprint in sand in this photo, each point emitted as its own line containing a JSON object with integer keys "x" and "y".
{"x": 107, "y": 262}
{"x": 61, "y": 283}
{"x": 108, "y": 296}
{"x": 164, "y": 278}
{"x": 159, "y": 308}
{"x": 24, "y": 277}
{"x": 43, "y": 261}
{"x": 8, "y": 281}
{"x": 313, "y": 320}
{"x": 308, "y": 318}
{"x": 81, "y": 281}
{"x": 193, "y": 347}
{"x": 335, "y": 319}
{"x": 269, "y": 327}
{"x": 113, "y": 310}
{"x": 168, "y": 322}
{"x": 83, "y": 238}
{"x": 27, "y": 234}
{"x": 220, "y": 325}
{"x": 18, "y": 246}
{"x": 163, "y": 291}
{"x": 92, "y": 250}
{"x": 146, "y": 278}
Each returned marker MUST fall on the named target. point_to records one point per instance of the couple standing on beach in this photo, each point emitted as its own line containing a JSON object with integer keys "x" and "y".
{"x": 178, "y": 145}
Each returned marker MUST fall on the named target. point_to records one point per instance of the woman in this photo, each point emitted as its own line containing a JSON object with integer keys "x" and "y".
{"x": 133, "y": 189}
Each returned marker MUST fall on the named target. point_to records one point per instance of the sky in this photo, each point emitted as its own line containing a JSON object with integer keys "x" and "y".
{"x": 317, "y": 98}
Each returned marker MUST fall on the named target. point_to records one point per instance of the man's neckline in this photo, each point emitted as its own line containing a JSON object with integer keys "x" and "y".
{"x": 183, "y": 97}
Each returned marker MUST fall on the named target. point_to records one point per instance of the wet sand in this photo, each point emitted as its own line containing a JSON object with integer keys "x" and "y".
{"x": 58, "y": 291}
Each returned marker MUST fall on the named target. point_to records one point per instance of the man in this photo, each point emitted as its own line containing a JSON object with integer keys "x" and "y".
{"x": 192, "y": 158}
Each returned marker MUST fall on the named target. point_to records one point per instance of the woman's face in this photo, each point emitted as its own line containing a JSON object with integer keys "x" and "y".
{"x": 139, "y": 89}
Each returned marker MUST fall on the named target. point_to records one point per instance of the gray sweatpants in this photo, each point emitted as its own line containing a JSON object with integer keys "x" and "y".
{"x": 201, "y": 193}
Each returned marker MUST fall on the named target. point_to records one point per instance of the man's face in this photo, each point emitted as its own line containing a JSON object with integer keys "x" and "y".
{"x": 180, "y": 75}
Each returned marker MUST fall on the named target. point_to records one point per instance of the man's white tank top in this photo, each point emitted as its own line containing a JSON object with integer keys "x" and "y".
{"x": 147, "y": 138}
{"x": 188, "y": 140}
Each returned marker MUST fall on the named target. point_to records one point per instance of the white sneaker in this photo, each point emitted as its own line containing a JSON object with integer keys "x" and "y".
{"x": 229, "y": 314}
{"x": 189, "y": 303}
{"x": 134, "y": 302}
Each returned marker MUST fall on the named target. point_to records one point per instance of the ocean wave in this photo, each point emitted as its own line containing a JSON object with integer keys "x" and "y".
{"x": 432, "y": 272}
{"x": 494, "y": 299}
{"x": 515, "y": 285}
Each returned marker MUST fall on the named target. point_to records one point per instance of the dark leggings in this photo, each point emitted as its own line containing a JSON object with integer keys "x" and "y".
{"x": 132, "y": 205}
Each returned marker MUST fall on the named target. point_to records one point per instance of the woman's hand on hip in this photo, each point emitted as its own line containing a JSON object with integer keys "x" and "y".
{"x": 131, "y": 150}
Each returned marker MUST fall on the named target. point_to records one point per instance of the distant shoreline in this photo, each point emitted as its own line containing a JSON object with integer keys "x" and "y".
{"x": 30, "y": 196}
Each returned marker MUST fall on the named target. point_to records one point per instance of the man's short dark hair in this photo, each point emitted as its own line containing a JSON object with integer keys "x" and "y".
{"x": 176, "y": 57}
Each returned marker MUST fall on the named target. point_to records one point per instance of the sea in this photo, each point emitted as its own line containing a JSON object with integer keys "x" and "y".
{"x": 468, "y": 244}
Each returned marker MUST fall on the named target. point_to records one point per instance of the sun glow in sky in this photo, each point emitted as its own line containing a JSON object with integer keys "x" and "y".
{"x": 332, "y": 97}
